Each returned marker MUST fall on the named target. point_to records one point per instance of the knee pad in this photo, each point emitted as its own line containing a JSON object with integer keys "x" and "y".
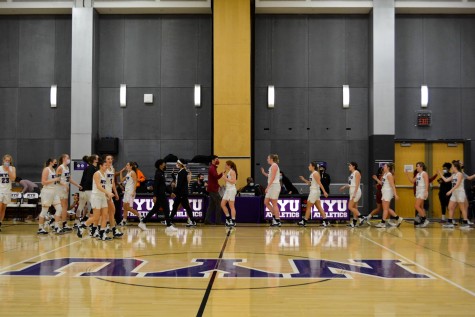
{"x": 44, "y": 212}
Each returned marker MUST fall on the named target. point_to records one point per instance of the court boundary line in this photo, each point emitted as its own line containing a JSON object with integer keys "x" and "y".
{"x": 2, "y": 270}
{"x": 204, "y": 301}
{"x": 422, "y": 267}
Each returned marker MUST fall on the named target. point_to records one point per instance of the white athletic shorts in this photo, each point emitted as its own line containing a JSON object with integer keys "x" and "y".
{"x": 62, "y": 192}
{"x": 230, "y": 194}
{"x": 273, "y": 192}
{"x": 387, "y": 194}
{"x": 313, "y": 196}
{"x": 458, "y": 196}
{"x": 129, "y": 198}
{"x": 49, "y": 197}
{"x": 98, "y": 201}
{"x": 420, "y": 194}
{"x": 5, "y": 198}
{"x": 357, "y": 196}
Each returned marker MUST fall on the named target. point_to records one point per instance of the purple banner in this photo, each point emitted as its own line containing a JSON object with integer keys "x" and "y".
{"x": 143, "y": 204}
{"x": 79, "y": 165}
{"x": 290, "y": 209}
{"x": 336, "y": 208}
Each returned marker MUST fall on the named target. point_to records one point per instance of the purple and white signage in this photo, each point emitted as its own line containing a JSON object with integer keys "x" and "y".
{"x": 290, "y": 209}
{"x": 144, "y": 204}
{"x": 336, "y": 208}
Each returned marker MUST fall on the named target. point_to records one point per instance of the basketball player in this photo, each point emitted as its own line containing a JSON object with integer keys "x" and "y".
{"x": 63, "y": 189}
{"x": 229, "y": 196}
{"x": 110, "y": 187}
{"x": 49, "y": 196}
{"x": 7, "y": 176}
{"x": 99, "y": 197}
{"x": 388, "y": 191}
{"x": 273, "y": 189}
{"x": 130, "y": 180}
{"x": 314, "y": 195}
{"x": 355, "y": 194}
{"x": 379, "y": 204}
{"x": 181, "y": 194}
{"x": 422, "y": 192}
{"x": 458, "y": 196}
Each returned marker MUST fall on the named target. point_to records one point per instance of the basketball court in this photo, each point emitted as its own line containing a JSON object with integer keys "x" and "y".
{"x": 253, "y": 270}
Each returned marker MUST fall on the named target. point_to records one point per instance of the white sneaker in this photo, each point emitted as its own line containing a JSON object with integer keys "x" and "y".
{"x": 469, "y": 222}
{"x": 397, "y": 223}
{"x": 448, "y": 225}
{"x": 142, "y": 226}
{"x": 381, "y": 225}
{"x": 171, "y": 229}
{"x": 71, "y": 212}
{"x": 424, "y": 224}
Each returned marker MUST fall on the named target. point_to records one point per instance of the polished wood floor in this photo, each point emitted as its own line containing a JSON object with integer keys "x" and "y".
{"x": 252, "y": 270}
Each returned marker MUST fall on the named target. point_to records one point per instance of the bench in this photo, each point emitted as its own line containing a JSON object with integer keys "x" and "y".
{"x": 24, "y": 204}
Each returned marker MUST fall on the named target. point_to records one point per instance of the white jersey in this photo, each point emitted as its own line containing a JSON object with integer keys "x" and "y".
{"x": 228, "y": 184}
{"x": 385, "y": 181}
{"x": 65, "y": 175}
{"x": 110, "y": 172}
{"x": 6, "y": 183}
{"x": 129, "y": 183}
{"x": 103, "y": 181}
{"x": 313, "y": 182}
{"x": 420, "y": 183}
{"x": 51, "y": 175}
{"x": 277, "y": 175}
{"x": 352, "y": 180}
{"x": 455, "y": 178}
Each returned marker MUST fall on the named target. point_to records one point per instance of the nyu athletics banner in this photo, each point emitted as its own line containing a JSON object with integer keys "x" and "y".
{"x": 143, "y": 204}
{"x": 291, "y": 208}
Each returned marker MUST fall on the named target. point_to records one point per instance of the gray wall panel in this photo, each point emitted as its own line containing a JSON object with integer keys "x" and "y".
{"x": 205, "y": 52}
{"x": 178, "y": 118}
{"x": 204, "y": 116}
{"x": 9, "y": 51}
{"x": 290, "y": 115}
{"x": 290, "y": 52}
{"x": 111, "y": 115}
{"x": 262, "y": 115}
{"x": 409, "y": 51}
{"x": 357, "y": 114}
{"x": 262, "y": 150}
{"x": 62, "y": 66}
{"x": 442, "y": 51}
{"x": 445, "y": 103}
{"x": 9, "y": 105}
{"x": 37, "y": 51}
{"x": 144, "y": 152}
{"x": 293, "y": 156}
{"x": 335, "y": 153}
{"x": 179, "y": 53}
{"x": 142, "y": 121}
{"x": 37, "y": 118}
{"x": 111, "y": 56}
{"x": 262, "y": 51}
{"x": 62, "y": 115}
{"x": 31, "y": 166}
{"x": 468, "y": 111}
{"x": 407, "y": 103}
{"x": 327, "y": 118}
{"x": 185, "y": 149}
{"x": 327, "y": 47}
{"x": 9, "y": 146}
{"x": 142, "y": 51}
{"x": 357, "y": 51}
{"x": 203, "y": 147}
{"x": 468, "y": 52}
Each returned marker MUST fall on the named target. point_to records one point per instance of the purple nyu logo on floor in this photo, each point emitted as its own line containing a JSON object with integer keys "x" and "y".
{"x": 225, "y": 268}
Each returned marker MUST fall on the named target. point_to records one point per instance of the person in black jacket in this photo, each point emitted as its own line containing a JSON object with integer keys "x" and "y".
{"x": 86, "y": 184}
{"x": 444, "y": 188}
{"x": 181, "y": 194}
{"x": 160, "y": 200}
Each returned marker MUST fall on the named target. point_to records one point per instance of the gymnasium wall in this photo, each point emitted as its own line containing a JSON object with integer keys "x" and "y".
{"x": 164, "y": 56}
{"x": 35, "y": 53}
{"x": 308, "y": 58}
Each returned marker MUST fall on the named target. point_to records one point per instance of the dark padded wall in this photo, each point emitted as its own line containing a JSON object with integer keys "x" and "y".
{"x": 164, "y": 56}
{"x": 308, "y": 58}
{"x": 35, "y": 53}
{"x": 437, "y": 51}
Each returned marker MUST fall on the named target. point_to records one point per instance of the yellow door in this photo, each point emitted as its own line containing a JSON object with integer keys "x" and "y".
{"x": 406, "y": 154}
{"x": 441, "y": 153}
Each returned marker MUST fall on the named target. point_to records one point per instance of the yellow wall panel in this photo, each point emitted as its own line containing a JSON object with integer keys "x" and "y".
{"x": 232, "y": 130}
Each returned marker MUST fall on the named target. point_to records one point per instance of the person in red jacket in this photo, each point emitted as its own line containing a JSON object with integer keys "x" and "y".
{"x": 213, "y": 214}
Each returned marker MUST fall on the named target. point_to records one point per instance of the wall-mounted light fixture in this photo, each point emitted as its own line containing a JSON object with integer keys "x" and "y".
{"x": 197, "y": 96}
{"x": 123, "y": 95}
{"x": 424, "y": 96}
{"x": 53, "y": 96}
{"x": 270, "y": 97}
{"x": 346, "y": 96}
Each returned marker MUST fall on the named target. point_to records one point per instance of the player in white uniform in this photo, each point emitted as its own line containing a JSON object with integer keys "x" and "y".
{"x": 388, "y": 191}
{"x": 99, "y": 205}
{"x": 7, "y": 176}
{"x": 458, "y": 196}
{"x": 110, "y": 187}
{"x": 314, "y": 195}
{"x": 422, "y": 192}
{"x": 229, "y": 196}
{"x": 273, "y": 188}
{"x": 130, "y": 180}
{"x": 63, "y": 189}
{"x": 49, "y": 196}
{"x": 354, "y": 181}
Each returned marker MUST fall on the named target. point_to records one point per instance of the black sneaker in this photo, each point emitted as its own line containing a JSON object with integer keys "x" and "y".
{"x": 302, "y": 223}
{"x": 42, "y": 231}
{"x": 191, "y": 224}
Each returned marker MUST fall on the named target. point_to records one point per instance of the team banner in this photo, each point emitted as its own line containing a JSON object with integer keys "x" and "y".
{"x": 291, "y": 208}
{"x": 144, "y": 204}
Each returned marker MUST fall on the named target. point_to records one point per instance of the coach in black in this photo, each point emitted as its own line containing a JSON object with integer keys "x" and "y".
{"x": 181, "y": 193}
{"x": 160, "y": 199}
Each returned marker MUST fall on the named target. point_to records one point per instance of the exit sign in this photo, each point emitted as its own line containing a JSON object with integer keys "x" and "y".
{"x": 424, "y": 119}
